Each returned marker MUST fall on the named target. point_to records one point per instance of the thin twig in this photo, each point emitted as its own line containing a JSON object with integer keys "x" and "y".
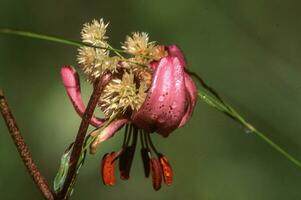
{"x": 206, "y": 86}
{"x": 231, "y": 112}
{"x": 80, "y": 138}
{"x": 212, "y": 91}
{"x": 56, "y": 39}
{"x": 23, "y": 149}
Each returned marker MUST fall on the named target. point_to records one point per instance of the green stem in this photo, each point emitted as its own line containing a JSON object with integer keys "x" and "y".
{"x": 55, "y": 39}
{"x": 278, "y": 148}
{"x": 64, "y": 41}
{"x": 231, "y": 112}
{"x": 116, "y": 51}
{"x": 41, "y": 37}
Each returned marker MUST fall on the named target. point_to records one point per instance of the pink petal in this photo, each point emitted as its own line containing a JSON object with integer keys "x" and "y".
{"x": 175, "y": 51}
{"x": 165, "y": 103}
{"x": 107, "y": 133}
{"x": 191, "y": 98}
{"x": 112, "y": 128}
{"x": 72, "y": 86}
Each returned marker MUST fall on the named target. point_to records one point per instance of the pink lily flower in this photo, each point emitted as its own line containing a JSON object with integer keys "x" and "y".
{"x": 168, "y": 105}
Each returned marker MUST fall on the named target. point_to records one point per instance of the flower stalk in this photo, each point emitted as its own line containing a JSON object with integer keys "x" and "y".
{"x": 23, "y": 149}
{"x": 81, "y": 135}
{"x": 54, "y": 39}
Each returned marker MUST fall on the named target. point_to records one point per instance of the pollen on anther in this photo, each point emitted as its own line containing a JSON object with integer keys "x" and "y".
{"x": 166, "y": 170}
{"x": 108, "y": 169}
{"x": 156, "y": 173}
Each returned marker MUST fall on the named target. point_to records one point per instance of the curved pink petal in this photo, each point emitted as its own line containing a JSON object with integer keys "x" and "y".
{"x": 112, "y": 128}
{"x": 191, "y": 98}
{"x": 107, "y": 133}
{"x": 175, "y": 51}
{"x": 72, "y": 85}
{"x": 165, "y": 103}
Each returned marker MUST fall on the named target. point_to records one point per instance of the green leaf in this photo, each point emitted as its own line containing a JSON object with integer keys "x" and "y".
{"x": 63, "y": 170}
{"x": 81, "y": 160}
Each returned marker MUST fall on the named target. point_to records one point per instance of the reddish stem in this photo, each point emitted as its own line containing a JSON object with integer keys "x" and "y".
{"x": 80, "y": 138}
{"x": 23, "y": 149}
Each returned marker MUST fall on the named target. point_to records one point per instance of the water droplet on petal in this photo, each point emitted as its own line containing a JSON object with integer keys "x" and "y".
{"x": 161, "y": 98}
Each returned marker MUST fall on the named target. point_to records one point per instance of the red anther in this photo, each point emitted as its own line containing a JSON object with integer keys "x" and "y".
{"x": 166, "y": 170}
{"x": 108, "y": 169}
{"x": 156, "y": 173}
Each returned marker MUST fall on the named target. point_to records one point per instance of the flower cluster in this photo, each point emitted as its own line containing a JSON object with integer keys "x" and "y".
{"x": 149, "y": 91}
{"x": 144, "y": 51}
{"x": 94, "y": 61}
{"x": 123, "y": 94}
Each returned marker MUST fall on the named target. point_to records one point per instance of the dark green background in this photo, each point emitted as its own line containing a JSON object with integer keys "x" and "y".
{"x": 249, "y": 50}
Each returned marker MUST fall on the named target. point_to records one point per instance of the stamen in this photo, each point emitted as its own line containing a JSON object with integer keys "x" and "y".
{"x": 141, "y": 138}
{"x": 145, "y": 139}
{"x": 166, "y": 169}
{"x": 126, "y": 158}
{"x": 145, "y": 155}
{"x": 125, "y": 135}
{"x": 156, "y": 173}
{"x": 107, "y": 169}
{"x": 126, "y": 140}
{"x": 151, "y": 144}
{"x": 129, "y": 135}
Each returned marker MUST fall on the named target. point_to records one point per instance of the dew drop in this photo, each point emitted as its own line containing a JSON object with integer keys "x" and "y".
{"x": 247, "y": 131}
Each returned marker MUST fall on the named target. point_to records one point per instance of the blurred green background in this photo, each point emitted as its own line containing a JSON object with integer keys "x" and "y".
{"x": 249, "y": 50}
